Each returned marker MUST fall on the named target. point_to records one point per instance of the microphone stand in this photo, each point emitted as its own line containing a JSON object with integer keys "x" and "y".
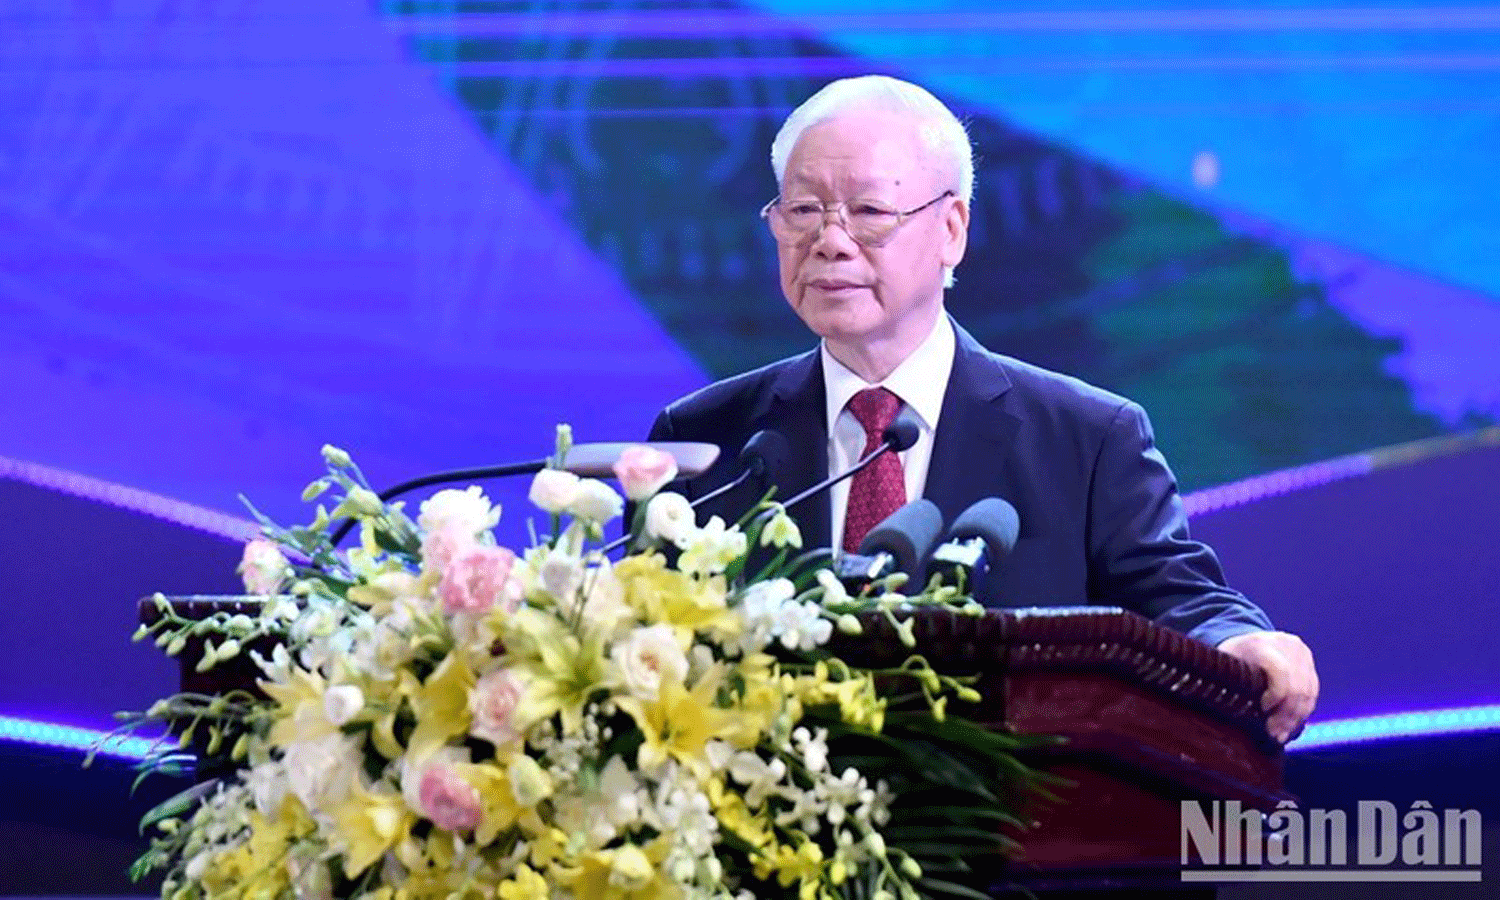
{"x": 520, "y": 468}
{"x": 888, "y": 444}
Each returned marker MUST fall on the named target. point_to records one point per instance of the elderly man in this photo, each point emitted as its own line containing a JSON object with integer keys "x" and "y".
{"x": 876, "y": 178}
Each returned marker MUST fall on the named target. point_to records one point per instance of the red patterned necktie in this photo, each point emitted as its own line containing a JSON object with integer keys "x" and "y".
{"x": 878, "y": 489}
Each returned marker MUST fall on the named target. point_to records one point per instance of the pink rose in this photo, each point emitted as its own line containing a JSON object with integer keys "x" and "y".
{"x": 447, "y": 799}
{"x": 492, "y": 704}
{"x": 263, "y": 567}
{"x": 643, "y": 470}
{"x": 441, "y": 545}
{"x": 477, "y": 579}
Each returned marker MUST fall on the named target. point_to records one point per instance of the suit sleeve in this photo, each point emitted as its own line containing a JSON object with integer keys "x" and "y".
{"x": 1140, "y": 553}
{"x": 662, "y": 429}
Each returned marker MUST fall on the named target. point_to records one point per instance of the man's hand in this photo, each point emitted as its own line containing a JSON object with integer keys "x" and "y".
{"x": 1292, "y": 680}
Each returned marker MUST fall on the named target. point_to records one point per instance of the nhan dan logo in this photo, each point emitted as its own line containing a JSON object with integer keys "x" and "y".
{"x": 1223, "y": 840}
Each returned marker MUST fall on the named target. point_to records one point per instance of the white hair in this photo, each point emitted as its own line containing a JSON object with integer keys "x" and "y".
{"x": 938, "y": 128}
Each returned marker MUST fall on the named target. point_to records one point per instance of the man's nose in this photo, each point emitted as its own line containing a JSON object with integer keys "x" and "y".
{"x": 832, "y": 238}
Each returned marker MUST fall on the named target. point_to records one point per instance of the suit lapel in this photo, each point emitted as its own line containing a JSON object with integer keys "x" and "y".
{"x": 796, "y": 410}
{"x": 975, "y": 431}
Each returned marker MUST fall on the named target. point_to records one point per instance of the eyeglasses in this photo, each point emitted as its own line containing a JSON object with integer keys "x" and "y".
{"x": 871, "y": 223}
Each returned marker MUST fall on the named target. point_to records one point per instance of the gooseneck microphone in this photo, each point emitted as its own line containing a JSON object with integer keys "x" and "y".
{"x": 981, "y": 536}
{"x": 899, "y": 543}
{"x": 762, "y": 456}
{"x": 898, "y": 436}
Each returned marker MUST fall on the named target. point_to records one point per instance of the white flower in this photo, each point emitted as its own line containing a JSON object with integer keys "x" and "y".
{"x": 468, "y": 510}
{"x": 342, "y": 702}
{"x": 761, "y": 779}
{"x": 760, "y": 610}
{"x": 764, "y": 598}
{"x": 647, "y": 658}
{"x": 316, "y": 631}
{"x": 554, "y": 490}
{"x": 845, "y": 794}
{"x": 621, "y": 798}
{"x": 604, "y": 611}
{"x": 670, "y": 518}
{"x": 814, "y": 748}
{"x": 405, "y": 610}
{"x": 711, "y": 548}
{"x": 263, "y": 567}
{"x": 612, "y": 806}
{"x": 383, "y": 645}
{"x": 878, "y": 809}
{"x": 681, "y": 810}
{"x": 321, "y": 771}
{"x": 268, "y": 785}
{"x": 700, "y": 660}
{"x": 833, "y": 589}
{"x": 801, "y": 626}
{"x": 278, "y": 668}
{"x": 806, "y": 812}
{"x": 596, "y": 501}
{"x": 561, "y": 575}
{"x": 620, "y": 790}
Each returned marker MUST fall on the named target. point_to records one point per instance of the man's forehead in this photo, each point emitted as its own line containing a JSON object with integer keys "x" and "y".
{"x": 857, "y": 182}
{"x": 860, "y": 152}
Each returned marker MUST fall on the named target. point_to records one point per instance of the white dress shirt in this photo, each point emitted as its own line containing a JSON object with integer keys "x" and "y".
{"x": 920, "y": 381}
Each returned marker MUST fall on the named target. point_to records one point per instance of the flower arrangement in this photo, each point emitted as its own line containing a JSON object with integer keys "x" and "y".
{"x": 442, "y": 717}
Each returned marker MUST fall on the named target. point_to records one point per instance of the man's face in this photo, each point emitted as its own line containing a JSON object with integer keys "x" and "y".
{"x": 868, "y": 297}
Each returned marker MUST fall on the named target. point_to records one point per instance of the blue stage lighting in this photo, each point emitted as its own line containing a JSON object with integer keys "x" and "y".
{"x": 69, "y": 737}
{"x": 1398, "y": 725}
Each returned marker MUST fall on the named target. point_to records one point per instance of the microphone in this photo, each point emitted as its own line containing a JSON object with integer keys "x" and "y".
{"x": 763, "y": 455}
{"x": 594, "y": 460}
{"x": 898, "y": 436}
{"x": 900, "y": 543}
{"x": 981, "y": 536}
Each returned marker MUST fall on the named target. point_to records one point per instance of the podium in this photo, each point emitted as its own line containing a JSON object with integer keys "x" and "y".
{"x": 1148, "y": 717}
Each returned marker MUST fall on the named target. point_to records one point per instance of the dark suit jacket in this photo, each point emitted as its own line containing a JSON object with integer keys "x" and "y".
{"x": 1101, "y": 519}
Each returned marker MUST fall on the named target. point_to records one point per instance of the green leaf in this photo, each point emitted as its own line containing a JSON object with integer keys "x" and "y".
{"x": 909, "y": 835}
{"x": 176, "y": 804}
{"x": 142, "y": 867}
{"x": 940, "y": 849}
{"x": 938, "y": 886}
{"x": 944, "y": 864}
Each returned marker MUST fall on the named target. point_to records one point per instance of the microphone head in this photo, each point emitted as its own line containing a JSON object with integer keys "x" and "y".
{"x": 766, "y": 453}
{"x": 903, "y": 431}
{"x": 908, "y": 535}
{"x": 994, "y": 521}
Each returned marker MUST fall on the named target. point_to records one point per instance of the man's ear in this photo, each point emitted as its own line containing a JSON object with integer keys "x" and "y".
{"x": 956, "y": 228}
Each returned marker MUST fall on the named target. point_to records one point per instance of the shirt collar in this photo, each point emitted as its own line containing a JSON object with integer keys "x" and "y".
{"x": 920, "y": 380}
